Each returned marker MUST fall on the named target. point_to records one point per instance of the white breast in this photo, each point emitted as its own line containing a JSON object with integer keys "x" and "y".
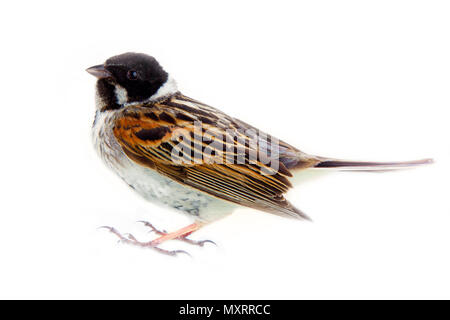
{"x": 150, "y": 184}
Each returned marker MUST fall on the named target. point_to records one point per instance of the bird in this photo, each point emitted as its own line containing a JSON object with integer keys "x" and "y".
{"x": 181, "y": 153}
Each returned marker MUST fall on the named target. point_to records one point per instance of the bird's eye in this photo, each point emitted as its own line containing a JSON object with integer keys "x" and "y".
{"x": 132, "y": 75}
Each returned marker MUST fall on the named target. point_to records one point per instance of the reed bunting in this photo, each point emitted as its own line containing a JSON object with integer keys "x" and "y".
{"x": 187, "y": 155}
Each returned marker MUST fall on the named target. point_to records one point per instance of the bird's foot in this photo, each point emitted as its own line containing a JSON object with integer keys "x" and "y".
{"x": 130, "y": 239}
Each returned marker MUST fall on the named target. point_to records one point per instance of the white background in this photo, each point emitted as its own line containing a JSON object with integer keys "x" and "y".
{"x": 364, "y": 80}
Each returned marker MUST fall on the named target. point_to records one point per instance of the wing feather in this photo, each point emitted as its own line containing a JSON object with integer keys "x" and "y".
{"x": 150, "y": 135}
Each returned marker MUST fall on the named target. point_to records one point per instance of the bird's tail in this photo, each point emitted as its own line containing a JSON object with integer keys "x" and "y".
{"x": 328, "y": 163}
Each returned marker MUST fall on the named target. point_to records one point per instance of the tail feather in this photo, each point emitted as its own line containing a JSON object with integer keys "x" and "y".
{"x": 369, "y": 166}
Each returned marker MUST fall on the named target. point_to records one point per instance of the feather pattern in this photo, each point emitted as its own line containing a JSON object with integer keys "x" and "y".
{"x": 165, "y": 136}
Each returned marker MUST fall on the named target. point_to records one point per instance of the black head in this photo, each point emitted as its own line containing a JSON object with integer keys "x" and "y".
{"x": 127, "y": 78}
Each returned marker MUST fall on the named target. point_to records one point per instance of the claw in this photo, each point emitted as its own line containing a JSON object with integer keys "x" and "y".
{"x": 176, "y": 252}
{"x": 152, "y": 227}
{"x": 130, "y": 236}
{"x": 200, "y": 243}
{"x": 105, "y": 227}
{"x": 182, "y": 251}
{"x": 112, "y": 230}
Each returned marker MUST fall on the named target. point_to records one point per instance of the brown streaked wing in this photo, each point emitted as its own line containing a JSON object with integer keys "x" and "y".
{"x": 146, "y": 134}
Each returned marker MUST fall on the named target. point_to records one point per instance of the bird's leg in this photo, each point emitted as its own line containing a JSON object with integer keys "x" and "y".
{"x": 181, "y": 237}
{"x": 179, "y": 234}
{"x": 130, "y": 239}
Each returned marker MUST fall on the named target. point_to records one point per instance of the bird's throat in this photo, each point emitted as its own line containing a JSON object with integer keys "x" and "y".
{"x": 106, "y": 96}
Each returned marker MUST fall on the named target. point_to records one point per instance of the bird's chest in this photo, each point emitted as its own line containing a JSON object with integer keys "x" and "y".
{"x": 150, "y": 184}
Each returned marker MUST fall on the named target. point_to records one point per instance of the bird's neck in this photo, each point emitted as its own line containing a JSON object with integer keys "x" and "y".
{"x": 168, "y": 89}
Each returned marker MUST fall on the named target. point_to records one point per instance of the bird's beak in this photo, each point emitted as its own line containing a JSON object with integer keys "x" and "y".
{"x": 99, "y": 72}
